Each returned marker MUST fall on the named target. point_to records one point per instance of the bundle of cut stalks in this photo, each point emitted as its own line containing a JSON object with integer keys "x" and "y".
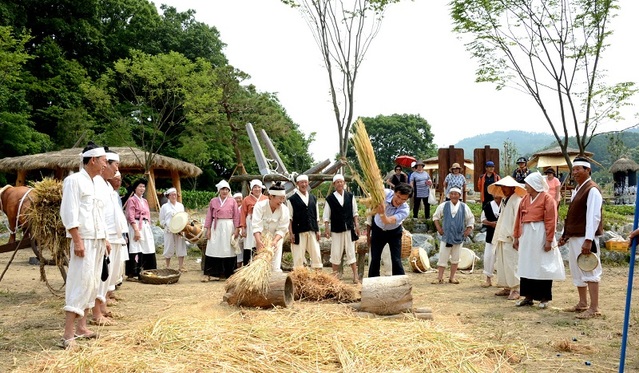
{"x": 317, "y": 285}
{"x": 44, "y": 219}
{"x": 255, "y": 276}
{"x": 372, "y": 183}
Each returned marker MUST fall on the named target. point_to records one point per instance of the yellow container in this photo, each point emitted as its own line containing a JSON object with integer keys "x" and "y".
{"x": 617, "y": 245}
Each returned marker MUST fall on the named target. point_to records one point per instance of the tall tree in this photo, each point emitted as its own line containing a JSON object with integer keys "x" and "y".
{"x": 395, "y": 135}
{"x": 343, "y": 31}
{"x": 552, "y": 51}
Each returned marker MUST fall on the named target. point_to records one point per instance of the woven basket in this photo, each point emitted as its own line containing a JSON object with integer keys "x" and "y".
{"x": 407, "y": 243}
{"x": 160, "y": 276}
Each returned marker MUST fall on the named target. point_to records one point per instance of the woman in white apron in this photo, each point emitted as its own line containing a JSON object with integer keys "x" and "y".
{"x": 141, "y": 243}
{"x": 540, "y": 261}
{"x": 222, "y": 222}
{"x": 174, "y": 244}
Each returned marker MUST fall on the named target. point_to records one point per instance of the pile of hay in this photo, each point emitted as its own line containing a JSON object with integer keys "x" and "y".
{"x": 372, "y": 183}
{"x": 45, "y": 223}
{"x": 317, "y": 285}
{"x": 312, "y": 338}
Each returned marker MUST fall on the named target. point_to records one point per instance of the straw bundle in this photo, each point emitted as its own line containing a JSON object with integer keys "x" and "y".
{"x": 45, "y": 221}
{"x": 318, "y": 285}
{"x": 372, "y": 183}
{"x": 309, "y": 338}
{"x": 255, "y": 276}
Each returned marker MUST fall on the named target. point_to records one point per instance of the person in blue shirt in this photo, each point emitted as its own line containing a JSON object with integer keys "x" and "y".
{"x": 387, "y": 228}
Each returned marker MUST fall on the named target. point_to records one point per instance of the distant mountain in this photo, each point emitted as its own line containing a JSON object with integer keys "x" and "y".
{"x": 527, "y": 142}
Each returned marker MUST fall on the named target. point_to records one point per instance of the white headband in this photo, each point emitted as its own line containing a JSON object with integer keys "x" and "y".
{"x": 112, "y": 157}
{"x": 255, "y": 182}
{"x": 581, "y": 163}
{"x": 302, "y": 178}
{"x": 277, "y": 193}
{"x": 223, "y": 184}
{"x": 338, "y": 177}
{"x": 237, "y": 195}
{"x": 169, "y": 191}
{"x": 455, "y": 190}
{"x": 117, "y": 174}
{"x": 95, "y": 152}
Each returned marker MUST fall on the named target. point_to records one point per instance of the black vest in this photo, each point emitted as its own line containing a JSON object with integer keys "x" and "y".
{"x": 304, "y": 217}
{"x": 341, "y": 216}
{"x": 490, "y": 216}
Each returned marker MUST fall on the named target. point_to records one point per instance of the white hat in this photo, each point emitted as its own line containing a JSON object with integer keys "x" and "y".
{"x": 454, "y": 190}
{"x": 169, "y": 191}
{"x": 95, "y": 152}
{"x": 238, "y": 194}
{"x": 507, "y": 181}
{"x": 537, "y": 182}
{"x": 301, "y": 178}
{"x": 223, "y": 184}
{"x": 338, "y": 177}
{"x": 255, "y": 182}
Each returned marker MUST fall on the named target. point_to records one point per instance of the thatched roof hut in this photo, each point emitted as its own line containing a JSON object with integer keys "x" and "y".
{"x": 554, "y": 158}
{"x": 624, "y": 164}
{"x": 131, "y": 162}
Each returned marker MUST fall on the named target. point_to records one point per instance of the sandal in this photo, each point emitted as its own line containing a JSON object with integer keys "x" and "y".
{"x": 524, "y": 302}
{"x": 486, "y": 285}
{"x": 503, "y": 293}
{"x": 439, "y": 281}
{"x": 90, "y": 335}
{"x": 102, "y": 322}
{"x": 514, "y": 295}
{"x": 453, "y": 281}
{"x": 69, "y": 344}
{"x": 588, "y": 314}
{"x": 575, "y": 309}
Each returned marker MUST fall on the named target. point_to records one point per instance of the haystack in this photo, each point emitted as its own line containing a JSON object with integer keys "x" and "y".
{"x": 317, "y": 285}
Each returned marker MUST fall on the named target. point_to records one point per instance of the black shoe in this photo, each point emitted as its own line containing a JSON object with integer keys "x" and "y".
{"x": 524, "y": 302}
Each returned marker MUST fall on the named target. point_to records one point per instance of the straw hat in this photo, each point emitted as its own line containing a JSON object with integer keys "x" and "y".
{"x": 495, "y": 188}
{"x": 455, "y": 165}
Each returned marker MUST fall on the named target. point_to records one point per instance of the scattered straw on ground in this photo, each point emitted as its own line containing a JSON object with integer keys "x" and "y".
{"x": 317, "y": 285}
{"x": 313, "y": 338}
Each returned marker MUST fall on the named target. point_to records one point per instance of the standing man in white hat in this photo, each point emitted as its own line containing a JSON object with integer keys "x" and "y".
{"x": 583, "y": 224}
{"x": 246, "y": 215}
{"x": 174, "y": 244}
{"x": 304, "y": 227}
{"x": 458, "y": 223}
{"x": 341, "y": 212}
{"x": 83, "y": 218}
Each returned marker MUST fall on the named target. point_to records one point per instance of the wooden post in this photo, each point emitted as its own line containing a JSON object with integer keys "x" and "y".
{"x": 151, "y": 193}
{"x": 446, "y": 158}
{"x": 280, "y": 294}
{"x": 21, "y": 179}
{"x": 175, "y": 180}
{"x": 480, "y": 157}
{"x": 388, "y": 295}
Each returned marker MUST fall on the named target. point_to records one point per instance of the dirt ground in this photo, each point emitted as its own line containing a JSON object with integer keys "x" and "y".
{"x": 31, "y": 317}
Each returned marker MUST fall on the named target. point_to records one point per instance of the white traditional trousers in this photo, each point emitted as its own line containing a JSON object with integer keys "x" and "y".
{"x": 506, "y": 258}
{"x": 83, "y": 276}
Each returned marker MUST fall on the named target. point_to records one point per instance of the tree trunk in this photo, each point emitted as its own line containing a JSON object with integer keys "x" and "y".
{"x": 388, "y": 295}
{"x": 280, "y": 294}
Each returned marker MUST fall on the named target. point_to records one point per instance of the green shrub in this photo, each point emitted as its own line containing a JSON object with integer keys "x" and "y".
{"x": 196, "y": 199}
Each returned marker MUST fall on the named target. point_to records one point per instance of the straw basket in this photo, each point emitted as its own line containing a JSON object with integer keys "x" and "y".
{"x": 160, "y": 276}
{"x": 407, "y": 243}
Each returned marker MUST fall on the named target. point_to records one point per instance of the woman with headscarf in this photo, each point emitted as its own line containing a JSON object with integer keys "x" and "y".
{"x": 222, "y": 223}
{"x": 174, "y": 243}
{"x": 540, "y": 261}
{"x": 141, "y": 243}
{"x": 246, "y": 215}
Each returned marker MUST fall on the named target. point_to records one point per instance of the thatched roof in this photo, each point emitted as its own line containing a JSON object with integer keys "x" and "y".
{"x": 557, "y": 151}
{"x": 624, "y": 164}
{"x": 131, "y": 161}
{"x": 554, "y": 158}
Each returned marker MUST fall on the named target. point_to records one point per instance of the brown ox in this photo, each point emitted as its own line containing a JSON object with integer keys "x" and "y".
{"x": 14, "y": 201}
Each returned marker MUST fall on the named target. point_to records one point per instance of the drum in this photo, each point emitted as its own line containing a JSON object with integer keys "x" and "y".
{"x": 587, "y": 262}
{"x": 466, "y": 258}
{"x": 191, "y": 231}
{"x": 418, "y": 260}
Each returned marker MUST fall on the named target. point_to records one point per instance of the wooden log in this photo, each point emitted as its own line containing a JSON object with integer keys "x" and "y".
{"x": 388, "y": 295}
{"x": 399, "y": 316}
{"x": 280, "y": 294}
